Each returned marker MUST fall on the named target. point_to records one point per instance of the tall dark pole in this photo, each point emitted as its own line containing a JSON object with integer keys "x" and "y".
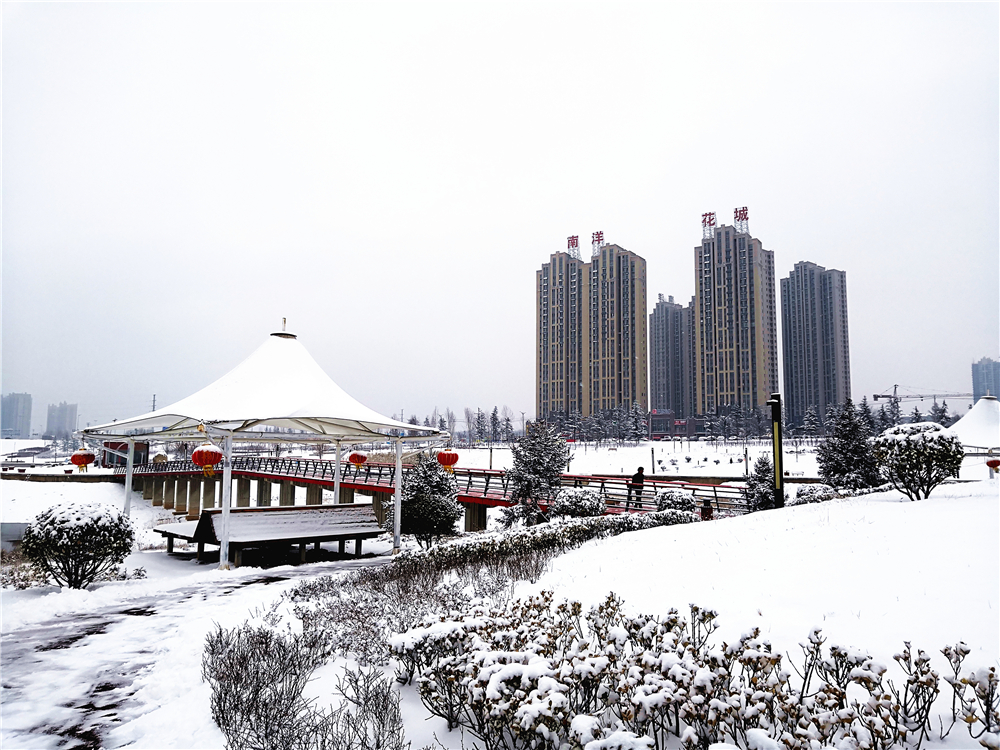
{"x": 779, "y": 488}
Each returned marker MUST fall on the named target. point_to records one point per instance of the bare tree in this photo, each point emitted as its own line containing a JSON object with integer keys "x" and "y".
{"x": 470, "y": 424}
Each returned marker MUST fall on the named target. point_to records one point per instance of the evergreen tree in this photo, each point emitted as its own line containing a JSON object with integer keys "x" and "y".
{"x": 494, "y": 425}
{"x": 916, "y": 416}
{"x": 415, "y": 422}
{"x": 429, "y": 508}
{"x": 830, "y": 419}
{"x": 810, "y": 422}
{"x": 481, "y": 428}
{"x": 893, "y": 413}
{"x": 882, "y": 420}
{"x": 539, "y": 459}
{"x": 427, "y": 421}
{"x": 866, "y": 416}
{"x": 939, "y": 413}
{"x": 637, "y": 423}
{"x": 442, "y": 424}
{"x": 507, "y": 430}
{"x": 760, "y": 485}
{"x": 846, "y": 458}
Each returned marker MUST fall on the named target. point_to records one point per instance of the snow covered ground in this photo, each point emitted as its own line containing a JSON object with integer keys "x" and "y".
{"x": 121, "y": 662}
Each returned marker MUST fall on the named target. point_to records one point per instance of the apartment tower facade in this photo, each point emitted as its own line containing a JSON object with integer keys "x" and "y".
{"x": 591, "y": 331}
{"x": 671, "y": 357}
{"x": 816, "y": 354}
{"x": 15, "y": 415}
{"x": 735, "y": 330}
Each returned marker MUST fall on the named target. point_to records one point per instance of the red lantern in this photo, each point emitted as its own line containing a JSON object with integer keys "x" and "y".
{"x": 206, "y": 456}
{"x": 82, "y": 458}
{"x": 993, "y": 463}
{"x": 357, "y": 459}
{"x": 448, "y": 459}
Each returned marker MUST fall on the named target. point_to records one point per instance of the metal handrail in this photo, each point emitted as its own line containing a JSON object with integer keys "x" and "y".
{"x": 490, "y": 485}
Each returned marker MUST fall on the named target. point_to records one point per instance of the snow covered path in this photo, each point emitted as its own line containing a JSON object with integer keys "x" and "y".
{"x": 111, "y": 675}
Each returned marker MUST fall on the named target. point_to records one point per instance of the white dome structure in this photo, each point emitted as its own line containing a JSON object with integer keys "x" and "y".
{"x": 980, "y": 428}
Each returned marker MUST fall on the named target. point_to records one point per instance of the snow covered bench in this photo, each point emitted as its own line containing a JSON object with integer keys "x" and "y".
{"x": 263, "y": 527}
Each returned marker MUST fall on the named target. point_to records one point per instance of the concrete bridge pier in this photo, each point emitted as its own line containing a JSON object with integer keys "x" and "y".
{"x": 475, "y": 517}
{"x": 263, "y": 493}
{"x": 158, "y": 491}
{"x": 194, "y": 499}
{"x": 286, "y": 493}
{"x": 181, "y": 501}
{"x": 378, "y": 501}
{"x": 242, "y": 493}
{"x": 169, "y": 491}
{"x": 208, "y": 494}
{"x": 346, "y": 496}
{"x": 314, "y": 494}
{"x": 147, "y": 488}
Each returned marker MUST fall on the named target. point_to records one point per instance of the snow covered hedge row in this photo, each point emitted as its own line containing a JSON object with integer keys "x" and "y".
{"x": 557, "y": 537}
{"x": 359, "y": 611}
{"x": 541, "y": 675}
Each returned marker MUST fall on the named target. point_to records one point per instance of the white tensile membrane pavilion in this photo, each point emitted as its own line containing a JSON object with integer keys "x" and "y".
{"x": 279, "y": 394}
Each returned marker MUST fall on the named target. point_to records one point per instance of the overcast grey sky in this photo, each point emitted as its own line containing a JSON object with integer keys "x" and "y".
{"x": 177, "y": 177}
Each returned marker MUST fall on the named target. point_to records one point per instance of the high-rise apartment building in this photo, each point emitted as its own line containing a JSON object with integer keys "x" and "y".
{"x": 591, "y": 331}
{"x": 816, "y": 347}
{"x": 15, "y": 415}
{"x": 671, "y": 357}
{"x": 735, "y": 333}
{"x": 985, "y": 378}
{"x": 61, "y": 420}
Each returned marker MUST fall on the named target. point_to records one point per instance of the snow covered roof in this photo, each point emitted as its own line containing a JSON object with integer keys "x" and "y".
{"x": 278, "y": 387}
{"x": 980, "y": 427}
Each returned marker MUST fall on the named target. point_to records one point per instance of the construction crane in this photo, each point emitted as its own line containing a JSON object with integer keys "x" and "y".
{"x": 894, "y": 396}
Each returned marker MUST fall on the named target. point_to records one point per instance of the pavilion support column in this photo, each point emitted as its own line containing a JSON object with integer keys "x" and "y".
{"x": 158, "y": 491}
{"x": 242, "y": 493}
{"x": 346, "y": 496}
{"x": 336, "y": 478}
{"x": 129, "y": 473}
{"x": 137, "y": 485}
{"x": 147, "y": 487}
{"x": 208, "y": 495}
{"x": 263, "y": 493}
{"x": 314, "y": 494}
{"x": 169, "y": 491}
{"x": 227, "y": 492}
{"x": 286, "y": 494}
{"x": 181, "y": 501}
{"x": 397, "y": 506}
{"x": 194, "y": 499}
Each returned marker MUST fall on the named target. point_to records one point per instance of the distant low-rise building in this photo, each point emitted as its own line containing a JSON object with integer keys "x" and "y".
{"x": 985, "y": 378}
{"x": 15, "y": 415}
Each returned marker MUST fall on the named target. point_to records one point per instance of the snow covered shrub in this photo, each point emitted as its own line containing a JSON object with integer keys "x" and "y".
{"x": 546, "y": 675}
{"x": 18, "y": 573}
{"x": 78, "y": 544}
{"x": 845, "y": 457}
{"x": 813, "y": 493}
{"x": 915, "y": 458}
{"x": 672, "y": 499}
{"x": 975, "y": 698}
{"x": 258, "y": 672}
{"x": 578, "y": 502}
{"x": 429, "y": 508}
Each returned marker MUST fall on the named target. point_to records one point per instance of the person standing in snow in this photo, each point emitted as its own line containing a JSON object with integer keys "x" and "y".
{"x": 635, "y": 485}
